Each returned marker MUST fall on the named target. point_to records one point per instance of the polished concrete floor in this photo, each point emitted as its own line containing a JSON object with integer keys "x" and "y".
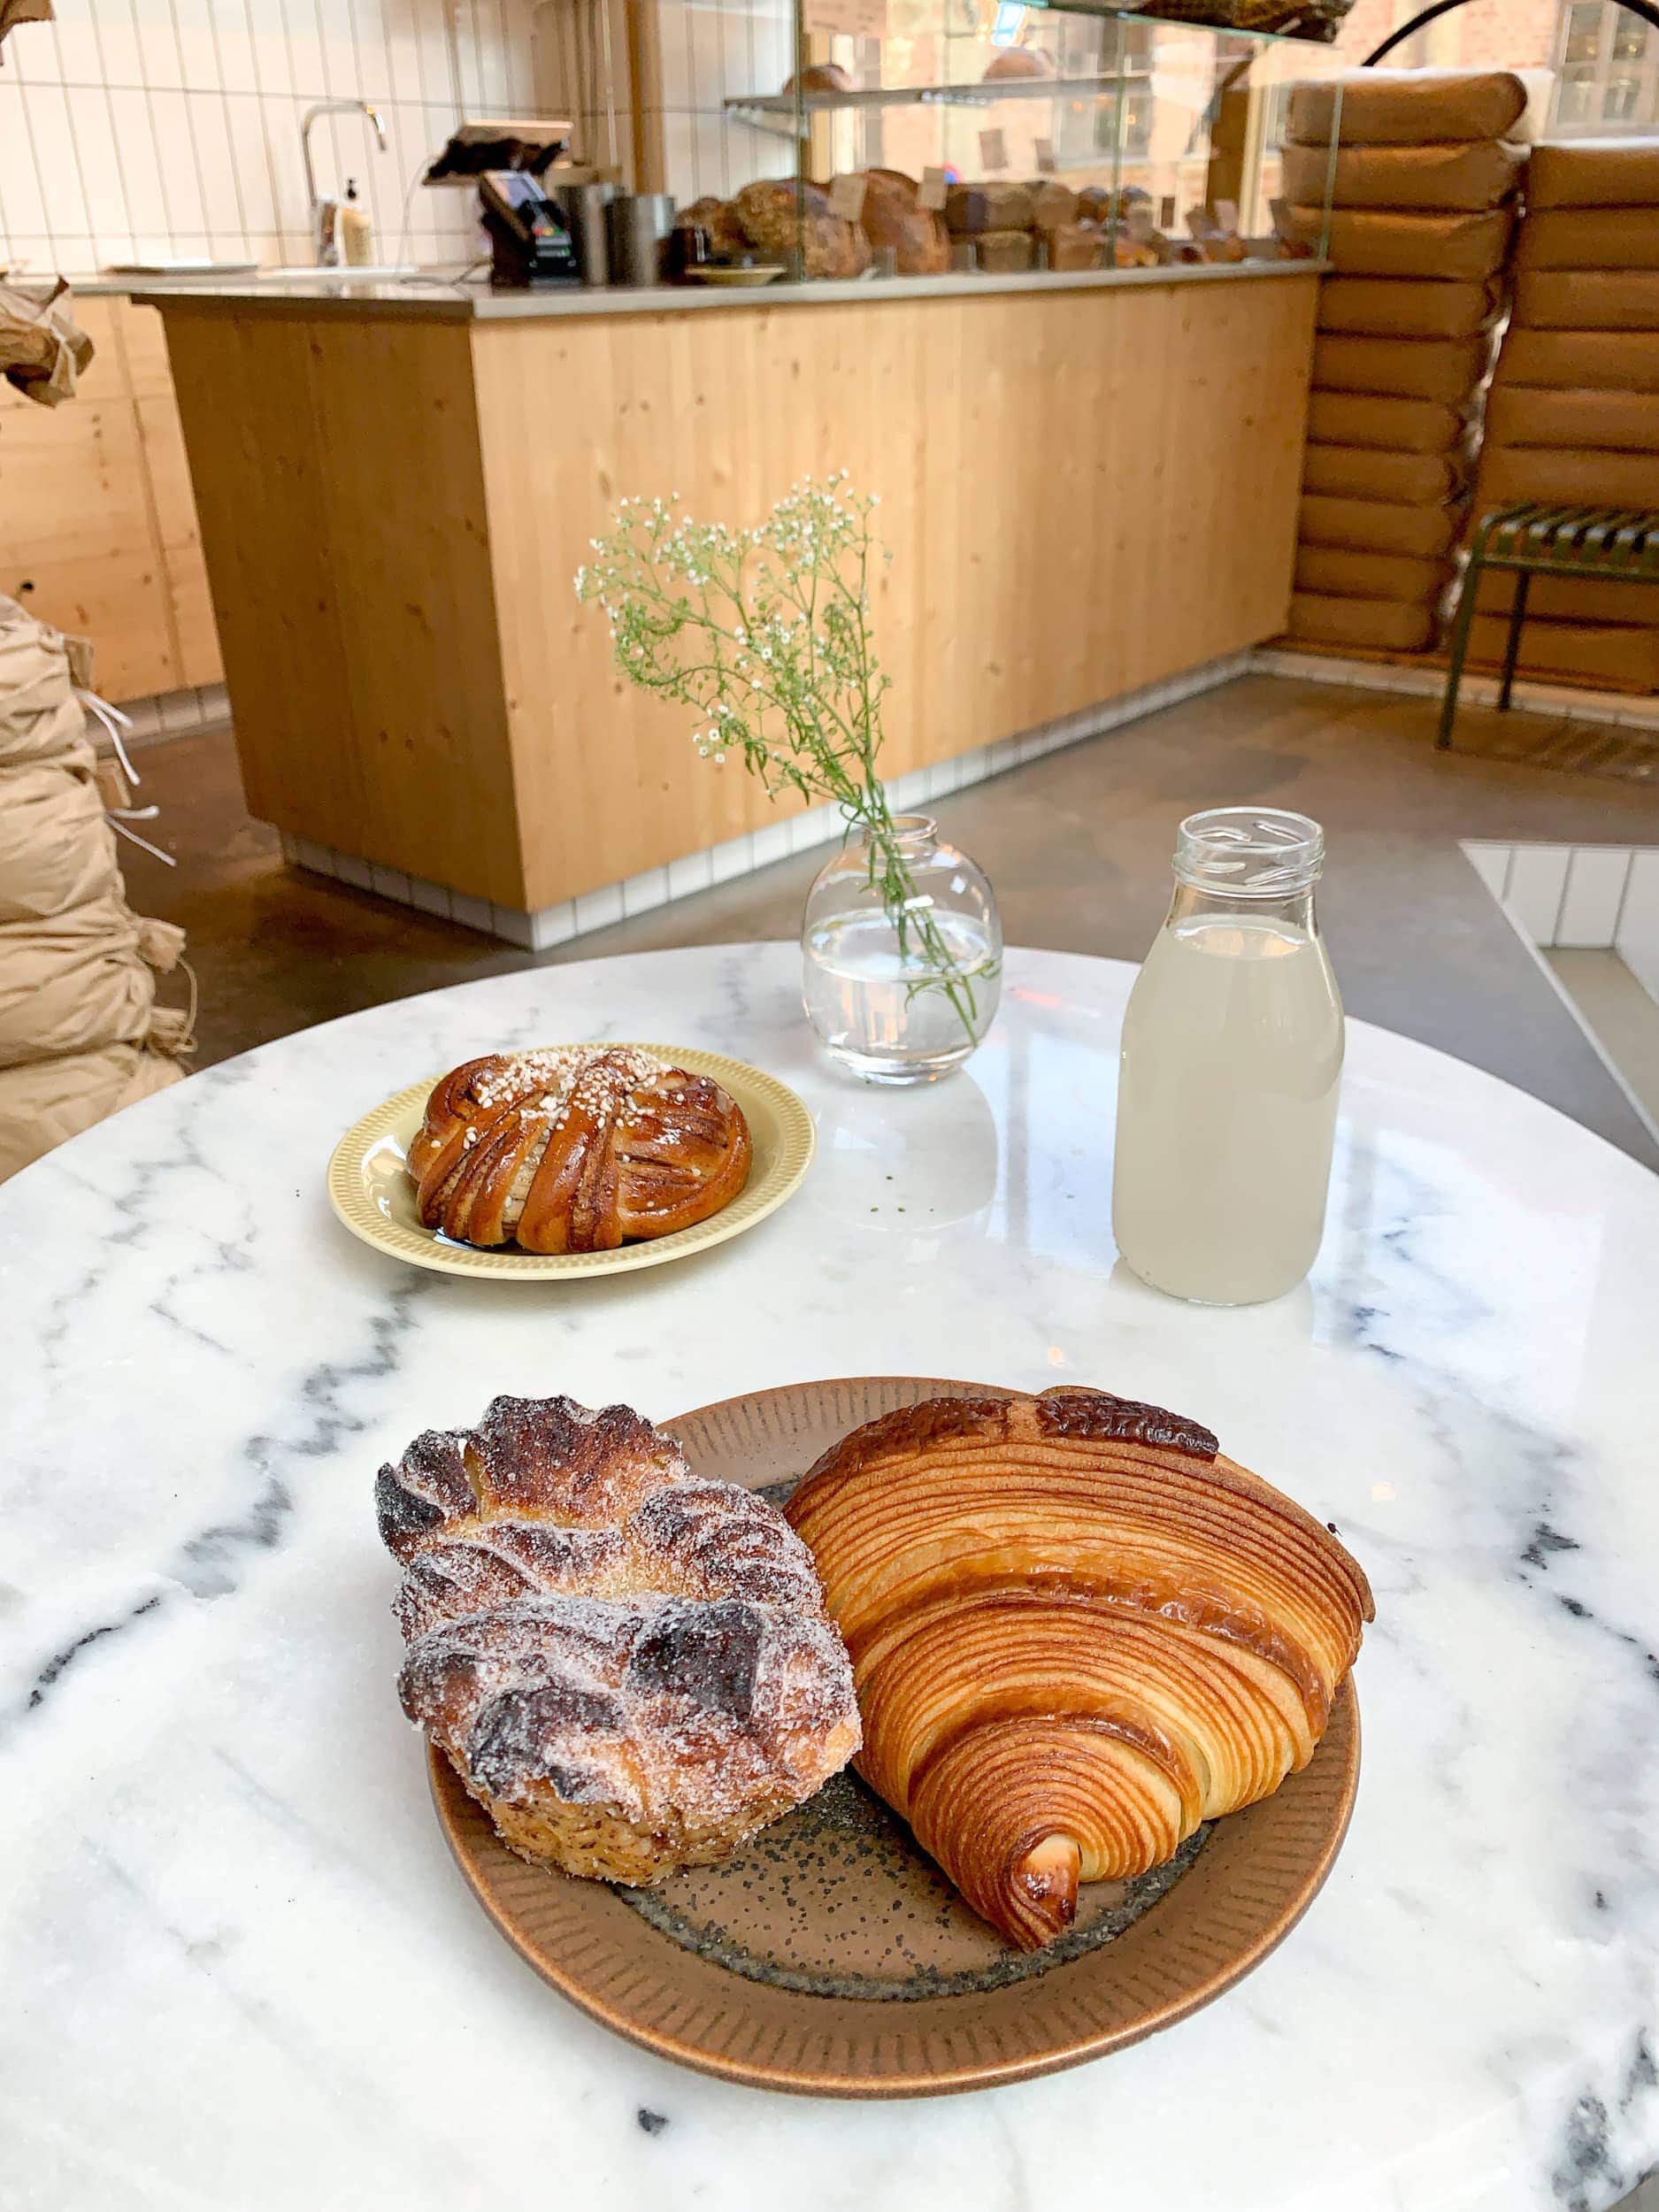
{"x": 1077, "y": 844}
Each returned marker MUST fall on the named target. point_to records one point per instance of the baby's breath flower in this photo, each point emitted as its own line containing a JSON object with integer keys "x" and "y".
{"x": 775, "y": 655}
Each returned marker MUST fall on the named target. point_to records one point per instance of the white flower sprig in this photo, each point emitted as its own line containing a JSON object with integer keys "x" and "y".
{"x": 764, "y": 633}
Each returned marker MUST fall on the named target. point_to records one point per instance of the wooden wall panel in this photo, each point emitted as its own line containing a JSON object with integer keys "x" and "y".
{"x": 728, "y": 410}
{"x": 172, "y": 497}
{"x": 95, "y": 512}
{"x": 1083, "y": 492}
{"x": 340, "y": 500}
{"x": 76, "y": 544}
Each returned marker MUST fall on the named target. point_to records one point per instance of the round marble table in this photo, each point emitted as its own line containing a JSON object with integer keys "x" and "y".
{"x": 239, "y": 1969}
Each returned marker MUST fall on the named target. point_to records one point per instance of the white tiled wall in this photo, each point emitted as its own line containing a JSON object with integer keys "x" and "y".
{"x": 131, "y": 129}
{"x": 1580, "y": 896}
{"x": 135, "y": 129}
{"x": 710, "y": 52}
{"x": 1639, "y": 710}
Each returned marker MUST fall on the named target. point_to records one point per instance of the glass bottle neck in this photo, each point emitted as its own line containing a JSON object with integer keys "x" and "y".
{"x": 1295, "y": 911}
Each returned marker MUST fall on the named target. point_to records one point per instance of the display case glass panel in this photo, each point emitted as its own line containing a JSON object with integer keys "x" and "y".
{"x": 927, "y": 138}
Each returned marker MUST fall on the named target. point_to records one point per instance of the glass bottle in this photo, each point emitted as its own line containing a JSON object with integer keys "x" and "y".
{"x": 902, "y": 1004}
{"x": 1231, "y": 1067}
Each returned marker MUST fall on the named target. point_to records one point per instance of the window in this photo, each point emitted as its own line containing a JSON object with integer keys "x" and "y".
{"x": 1087, "y": 128}
{"x": 1607, "y": 71}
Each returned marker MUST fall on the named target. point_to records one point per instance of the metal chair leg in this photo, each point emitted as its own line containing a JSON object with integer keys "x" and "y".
{"x": 1512, "y": 652}
{"x": 1459, "y": 640}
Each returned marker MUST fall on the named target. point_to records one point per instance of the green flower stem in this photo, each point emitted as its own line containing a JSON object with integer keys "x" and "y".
{"x": 767, "y": 631}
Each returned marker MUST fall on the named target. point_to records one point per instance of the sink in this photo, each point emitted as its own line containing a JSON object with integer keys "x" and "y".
{"x": 373, "y": 273}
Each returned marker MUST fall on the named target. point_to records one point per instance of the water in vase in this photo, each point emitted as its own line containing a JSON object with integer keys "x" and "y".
{"x": 863, "y": 997}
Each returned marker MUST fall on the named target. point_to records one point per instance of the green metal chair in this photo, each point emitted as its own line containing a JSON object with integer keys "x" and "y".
{"x": 1534, "y": 538}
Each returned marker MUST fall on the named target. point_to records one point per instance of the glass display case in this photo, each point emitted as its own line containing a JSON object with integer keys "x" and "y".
{"x": 926, "y": 138}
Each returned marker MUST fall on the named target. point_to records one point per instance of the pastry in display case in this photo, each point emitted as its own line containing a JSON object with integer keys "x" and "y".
{"x": 944, "y": 138}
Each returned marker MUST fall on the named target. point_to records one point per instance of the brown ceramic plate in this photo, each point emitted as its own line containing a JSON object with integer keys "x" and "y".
{"x": 829, "y": 1956}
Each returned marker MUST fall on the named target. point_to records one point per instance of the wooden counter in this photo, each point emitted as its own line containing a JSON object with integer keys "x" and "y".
{"x": 1085, "y": 489}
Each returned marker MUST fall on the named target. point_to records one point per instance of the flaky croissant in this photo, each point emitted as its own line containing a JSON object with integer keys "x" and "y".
{"x": 1077, "y": 1631}
{"x": 577, "y": 1148}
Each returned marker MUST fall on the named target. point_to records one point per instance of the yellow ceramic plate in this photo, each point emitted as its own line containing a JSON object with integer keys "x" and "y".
{"x": 371, "y": 1190}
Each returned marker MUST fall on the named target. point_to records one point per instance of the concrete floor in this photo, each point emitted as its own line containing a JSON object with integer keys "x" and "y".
{"x": 1077, "y": 845}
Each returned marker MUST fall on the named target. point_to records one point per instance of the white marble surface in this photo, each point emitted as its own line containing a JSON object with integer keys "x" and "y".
{"x": 238, "y": 1970}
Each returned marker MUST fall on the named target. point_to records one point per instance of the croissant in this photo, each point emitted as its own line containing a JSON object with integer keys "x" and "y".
{"x": 575, "y": 1150}
{"x": 1076, "y": 1631}
{"x": 629, "y": 1667}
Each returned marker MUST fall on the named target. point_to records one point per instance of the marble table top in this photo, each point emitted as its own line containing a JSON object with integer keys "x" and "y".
{"x": 240, "y": 1972}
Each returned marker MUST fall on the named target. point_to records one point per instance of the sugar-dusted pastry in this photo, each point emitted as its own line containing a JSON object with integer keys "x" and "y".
{"x": 1077, "y": 1631}
{"x": 631, "y": 1668}
{"x": 577, "y": 1148}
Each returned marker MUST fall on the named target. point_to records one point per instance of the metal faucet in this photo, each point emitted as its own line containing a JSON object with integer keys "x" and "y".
{"x": 324, "y": 212}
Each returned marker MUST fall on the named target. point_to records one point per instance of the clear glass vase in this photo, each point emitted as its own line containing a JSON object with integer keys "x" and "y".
{"x": 901, "y": 1002}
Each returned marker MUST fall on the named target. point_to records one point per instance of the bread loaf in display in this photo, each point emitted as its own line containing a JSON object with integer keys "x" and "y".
{"x": 774, "y": 222}
{"x": 1076, "y": 246}
{"x": 718, "y": 219}
{"x": 971, "y": 209}
{"x": 893, "y": 219}
{"x": 823, "y": 76}
{"x": 1011, "y": 65}
{"x": 1005, "y": 252}
{"x": 1051, "y": 205}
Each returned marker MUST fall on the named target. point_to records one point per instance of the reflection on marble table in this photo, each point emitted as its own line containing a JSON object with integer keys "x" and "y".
{"x": 239, "y": 1969}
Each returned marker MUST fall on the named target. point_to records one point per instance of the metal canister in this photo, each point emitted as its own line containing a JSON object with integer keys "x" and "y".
{"x": 583, "y": 207}
{"x": 637, "y": 227}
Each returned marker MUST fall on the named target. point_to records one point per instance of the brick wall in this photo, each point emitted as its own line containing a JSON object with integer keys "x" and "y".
{"x": 1484, "y": 34}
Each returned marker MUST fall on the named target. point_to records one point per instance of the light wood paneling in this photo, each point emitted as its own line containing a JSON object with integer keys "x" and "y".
{"x": 76, "y": 541}
{"x": 95, "y": 512}
{"x": 194, "y": 636}
{"x": 1082, "y": 492}
{"x": 143, "y": 349}
{"x": 340, "y": 501}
